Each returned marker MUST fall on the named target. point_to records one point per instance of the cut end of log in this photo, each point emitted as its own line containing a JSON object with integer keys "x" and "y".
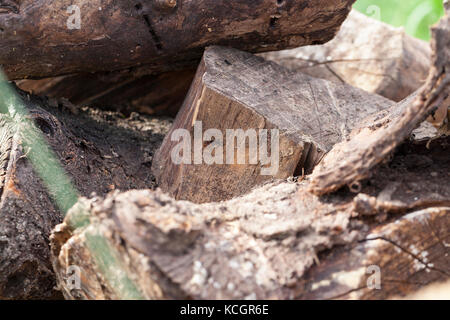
{"x": 289, "y": 117}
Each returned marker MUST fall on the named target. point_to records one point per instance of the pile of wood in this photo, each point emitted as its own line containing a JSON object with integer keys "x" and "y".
{"x": 358, "y": 206}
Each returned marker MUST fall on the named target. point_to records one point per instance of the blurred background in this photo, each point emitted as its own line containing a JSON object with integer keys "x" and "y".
{"x": 416, "y": 16}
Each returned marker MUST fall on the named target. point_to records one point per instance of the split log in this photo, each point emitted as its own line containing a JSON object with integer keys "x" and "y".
{"x": 351, "y": 161}
{"x": 125, "y": 92}
{"x": 234, "y": 90}
{"x": 43, "y": 38}
{"x": 99, "y": 152}
{"x": 367, "y": 54}
{"x": 267, "y": 244}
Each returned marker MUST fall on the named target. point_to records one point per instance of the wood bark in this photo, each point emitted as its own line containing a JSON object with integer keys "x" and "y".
{"x": 42, "y": 38}
{"x": 240, "y": 91}
{"x": 99, "y": 151}
{"x": 351, "y": 161}
{"x": 278, "y": 242}
{"x": 367, "y": 54}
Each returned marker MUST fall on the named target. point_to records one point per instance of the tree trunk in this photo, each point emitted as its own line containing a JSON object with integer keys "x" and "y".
{"x": 99, "y": 151}
{"x": 43, "y": 38}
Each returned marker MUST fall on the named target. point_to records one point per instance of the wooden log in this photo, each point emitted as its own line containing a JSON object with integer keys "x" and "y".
{"x": 302, "y": 118}
{"x": 125, "y": 92}
{"x": 278, "y": 242}
{"x": 367, "y": 54}
{"x": 48, "y": 38}
{"x": 99, "y": 151}
{"x": 403, "y": 253}
{"x": 351, "y": 161}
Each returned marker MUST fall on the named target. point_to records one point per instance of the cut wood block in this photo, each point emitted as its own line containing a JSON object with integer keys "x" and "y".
{"x": 277, "y": 242}
{"x": 351, "y": 161}
{"x": 47, "y": 38}
{"x": 367, "y": 54}
{"x": 100, "y": 152}
{"x": 120, "y": 91}
{"x": 289, "y": 119}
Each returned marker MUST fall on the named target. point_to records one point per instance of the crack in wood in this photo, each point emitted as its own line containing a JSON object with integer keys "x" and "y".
{"x": 156, "y": 39}
{"x": 415, "y": 256}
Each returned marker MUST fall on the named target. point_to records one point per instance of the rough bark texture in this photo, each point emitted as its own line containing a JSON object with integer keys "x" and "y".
{"x": 99, "y": 151}
{"x": 36, "y": 41}
{"x": 121, "y": 91}
{"x": 237, "y": 90}
{"x": 367, "y": 54}
{"x": 268, "y": 244}
{"x": 352, "y": 160}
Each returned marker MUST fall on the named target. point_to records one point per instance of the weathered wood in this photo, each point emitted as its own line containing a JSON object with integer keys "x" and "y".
{"x": 99, "y": 151}
{"x": 41, "y": 38}
{"x": 268, "y": 244}
{"x": 351, "y": 161}
{"x": 235, "y": 90}
{"x": 367, "y": 54}
{"x": 409, "y": 254}
{"x": 121, "y": 91}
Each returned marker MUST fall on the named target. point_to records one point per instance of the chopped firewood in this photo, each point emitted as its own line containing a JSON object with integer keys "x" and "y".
{"x": 283, "y": 123}
{"x": 367, "y": 54}
{"x": 90, "y": 208}
{"x": 41, "y": 38}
